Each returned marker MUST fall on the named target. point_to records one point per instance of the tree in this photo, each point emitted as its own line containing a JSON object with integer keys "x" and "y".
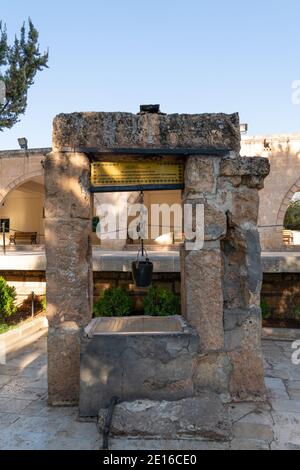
{"x": 19, "y": 64}
{"x": 292, "y": 216}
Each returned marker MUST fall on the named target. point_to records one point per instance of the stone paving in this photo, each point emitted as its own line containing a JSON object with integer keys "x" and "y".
{"x": 26, "y": 422}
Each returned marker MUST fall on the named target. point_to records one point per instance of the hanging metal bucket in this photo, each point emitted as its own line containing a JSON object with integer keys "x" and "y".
{"x": 142, "y": 270}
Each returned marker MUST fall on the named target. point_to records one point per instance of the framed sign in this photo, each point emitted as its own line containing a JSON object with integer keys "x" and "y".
{"x": 132, "y": 176}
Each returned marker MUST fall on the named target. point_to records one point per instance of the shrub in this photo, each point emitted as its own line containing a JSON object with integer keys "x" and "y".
{"x": 44, "y": 304}
{"x": 297, "y": 312}
{"x": 7, "y": 299}
{"x": 161, "y": 302}
{"x": 265, "y": 308}
{"x": 115, "y": 302}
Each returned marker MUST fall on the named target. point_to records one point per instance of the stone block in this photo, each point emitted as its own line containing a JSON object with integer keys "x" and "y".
{"x": 245, "y": 204}
{"x": 204, "y": 416}
{"x": 212, "y": 372}
{"x": 203, "y": 296}
{"x": 137, "y": 366}
{"x": 200, "y": 175}
{"x": 67, "y": 186}
{"x": 245, "y": 166}
{"x": 112, "y": 130}
{"x": 63, "y": 365}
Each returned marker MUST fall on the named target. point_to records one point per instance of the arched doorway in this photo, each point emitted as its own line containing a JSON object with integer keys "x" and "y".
{"x": 22, "y": 211}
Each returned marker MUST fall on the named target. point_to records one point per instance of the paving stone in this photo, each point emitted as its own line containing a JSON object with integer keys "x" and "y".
{"x": 165, "y": 444}
{"x": 286, "y": 430}
{"x": 9, "y": 405}
{"x": 49, "y": 425}
{"x": 238, "y": 411}
{"x": 286, "y": 406}
{"x": 256, "y": 431}
{"x": 72, "y": 429}
{"x": 4, "y": 379}
{"x": 249, "y": 444}
{"x": 62, "y": 443}
{"x": 8, "y": 418}
{"x": 276, "y": 389}
{"x": 24, "y": 440}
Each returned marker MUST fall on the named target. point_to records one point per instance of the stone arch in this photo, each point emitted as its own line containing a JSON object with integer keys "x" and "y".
{"x": 286, "y": 202}
{"x": 18, "y": 182}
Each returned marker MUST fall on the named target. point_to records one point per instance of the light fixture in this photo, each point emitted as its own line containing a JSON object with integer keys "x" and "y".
{"x": 243, "y": 128}
{"x": 23, "y": 142}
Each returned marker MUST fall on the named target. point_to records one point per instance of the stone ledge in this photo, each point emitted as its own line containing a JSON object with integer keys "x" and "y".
{"x": 281, "y": 333}
{"x": 12, "y": 340}
{"x": 204, "y": 416}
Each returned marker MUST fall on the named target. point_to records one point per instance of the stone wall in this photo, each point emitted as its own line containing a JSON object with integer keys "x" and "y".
{"x": 19, "y": 166}
{"x": 221, "y": 283}
{"x": 280, "y": 186}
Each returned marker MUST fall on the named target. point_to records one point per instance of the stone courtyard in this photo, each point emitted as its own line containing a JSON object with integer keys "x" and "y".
{"x": 27, "y": 422}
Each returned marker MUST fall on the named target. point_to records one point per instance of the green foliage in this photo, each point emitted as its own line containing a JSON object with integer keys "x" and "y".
{"x": 44, "y": 304}
{"x": 161, "y": 302}
{"x": 19, "y": 64}
{"x": 265, "y": 308}
{"x": 115, "y": 302}
{"x": 7, "y": 299}
{"x": 5, "y": 328}
{"x": 297, "y": 312}
{"x": 95, "y": 222}
{"x": 292, "y": 216}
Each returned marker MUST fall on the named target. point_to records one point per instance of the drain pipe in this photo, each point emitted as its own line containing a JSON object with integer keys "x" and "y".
{"x": 108, "y": 419}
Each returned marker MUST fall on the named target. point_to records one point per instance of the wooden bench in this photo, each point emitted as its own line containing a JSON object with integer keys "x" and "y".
{"x": 288, "y": 238}
{"x": 24, "y": 236}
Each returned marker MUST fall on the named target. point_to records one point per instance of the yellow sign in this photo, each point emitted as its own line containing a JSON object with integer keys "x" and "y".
{"x": 137, "y": 173}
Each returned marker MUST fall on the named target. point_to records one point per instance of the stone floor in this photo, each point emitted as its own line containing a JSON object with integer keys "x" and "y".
{"x": 26, "y": 422}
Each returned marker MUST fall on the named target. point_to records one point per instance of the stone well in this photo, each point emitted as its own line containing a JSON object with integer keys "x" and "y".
{"x": 220, "y": 283}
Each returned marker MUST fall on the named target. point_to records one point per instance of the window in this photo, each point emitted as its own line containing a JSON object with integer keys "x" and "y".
{"x": 6, "y": 223}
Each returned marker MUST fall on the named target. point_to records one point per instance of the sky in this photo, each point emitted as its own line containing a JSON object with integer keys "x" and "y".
{"x": 191, "y": 56}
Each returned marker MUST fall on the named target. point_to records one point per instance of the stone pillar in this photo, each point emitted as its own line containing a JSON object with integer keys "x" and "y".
{"x": 68, "y": 211}
{"x": 221, "y": 282}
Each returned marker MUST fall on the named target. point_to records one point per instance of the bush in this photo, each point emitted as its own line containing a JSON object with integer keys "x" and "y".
{"x": 115, "y": 302}
{"x": 265, "y": 309}
{"x": 7, "y": 299}
{"x": 297, "y": 312}
{"x": 161, "y": 302}
{"x": 292, "y": 216}
{"x": 44, "y": 304}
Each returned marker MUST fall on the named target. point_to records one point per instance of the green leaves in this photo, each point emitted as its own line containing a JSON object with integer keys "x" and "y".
{"x": 161, "y": 302}
{"x": 19, "y": 65}
{"x": 7, "y": 299}
{"x": 292, "y": 216}
{"x": 115, "y": 302}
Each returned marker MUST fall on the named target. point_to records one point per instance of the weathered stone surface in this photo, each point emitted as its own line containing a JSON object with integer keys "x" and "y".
{"x": 245, "y": 166}
{"x": 107, "y": 130}
{"x": 235, "y": 337}
{"x": 245, "y": 203}
{"x": 67, "y": 186}
{"x": 204, "y": 416}
{"x": 212, "y": 372}
{"x": 247, "y": 378}
{"x": 69, "y": 264}
{"x": 133, "y": 367}
{"x": 200, "y": 177}
{"x": 242, "y": 268}
{"x": 203, "y": 307}
{"x": 63, "y": 364}
{"x": 215, "y": 222}
{"x": 234, "y": 318}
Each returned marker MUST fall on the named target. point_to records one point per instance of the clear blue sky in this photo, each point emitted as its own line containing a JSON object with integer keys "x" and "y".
{"x": 191, "y": 56}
